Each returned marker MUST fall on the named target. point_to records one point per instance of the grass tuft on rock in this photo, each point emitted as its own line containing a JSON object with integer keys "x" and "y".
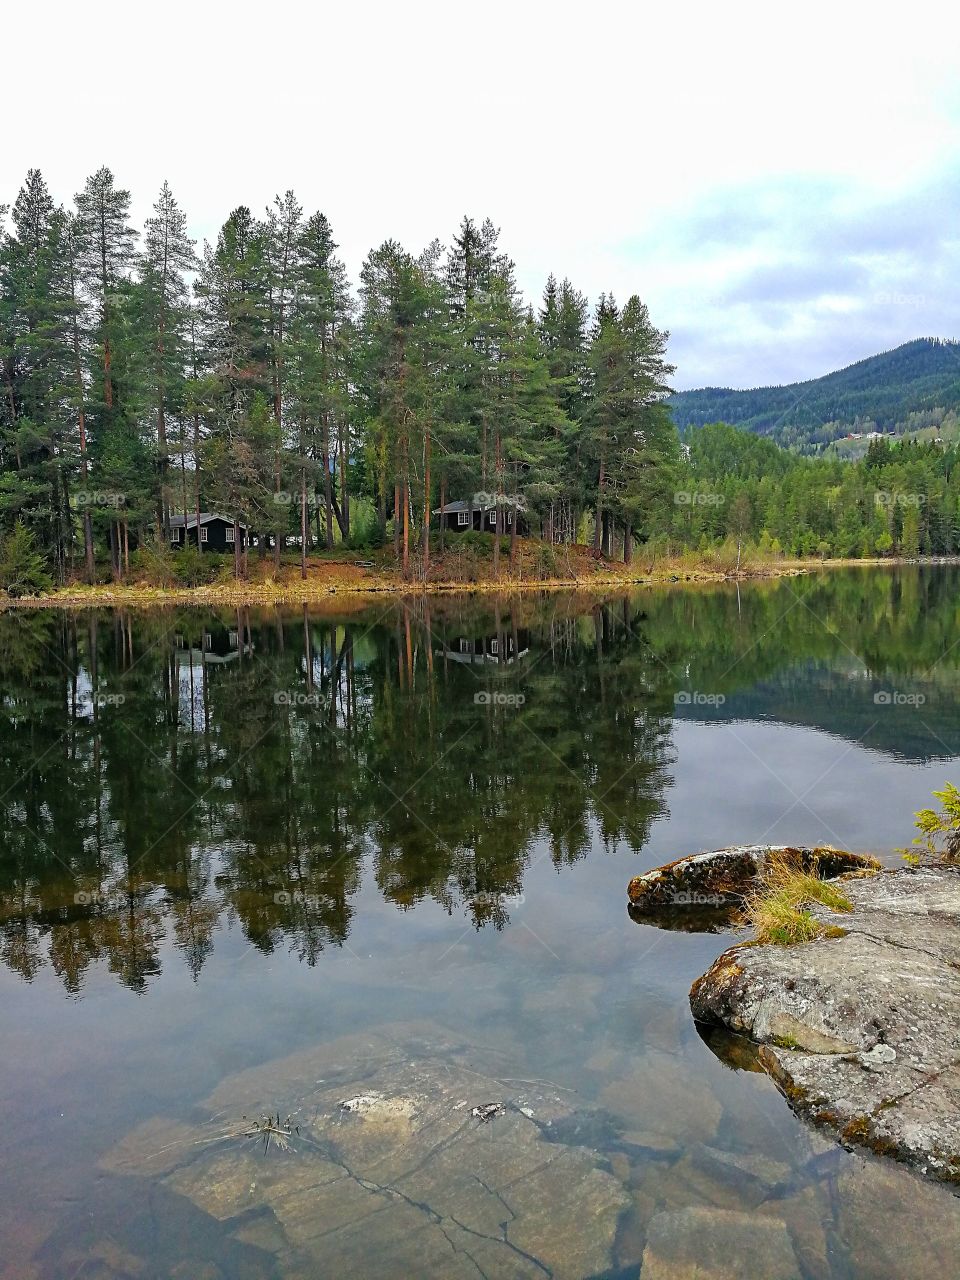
{"x": 777, "y": 911}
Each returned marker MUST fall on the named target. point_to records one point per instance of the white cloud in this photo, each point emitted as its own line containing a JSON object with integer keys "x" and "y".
{"x": 593, "y": 135}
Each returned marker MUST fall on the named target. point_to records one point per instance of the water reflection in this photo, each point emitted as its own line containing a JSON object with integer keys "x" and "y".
{"x": 170, "y": 774}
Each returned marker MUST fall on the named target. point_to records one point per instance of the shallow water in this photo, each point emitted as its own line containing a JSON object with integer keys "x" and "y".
{"x": 232, "y": 837}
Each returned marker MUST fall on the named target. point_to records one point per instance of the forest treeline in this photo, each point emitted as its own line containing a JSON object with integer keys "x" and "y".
{"x": 145, "y": 381}
{"x": 143, "y": 378}
{"x": 902, "y": 498}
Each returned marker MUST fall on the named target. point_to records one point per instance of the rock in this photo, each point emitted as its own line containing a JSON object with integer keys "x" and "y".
{"x": 389, "y": 1172}
{"x": 861, "y": 1032}
{"x": 664, "y": 1097}
{"x": 925, "y": 1240}
{"x": 717, "y": 1244}
{"x": 705, "y": 882}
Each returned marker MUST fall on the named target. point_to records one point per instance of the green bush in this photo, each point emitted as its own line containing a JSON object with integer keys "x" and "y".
{"x": 939, "y": 838}
{"x": 22, "y": 568}
{"x": 193, "y": 568}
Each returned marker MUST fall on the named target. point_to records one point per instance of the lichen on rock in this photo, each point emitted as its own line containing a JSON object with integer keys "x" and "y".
{"x": 725, "y": 876}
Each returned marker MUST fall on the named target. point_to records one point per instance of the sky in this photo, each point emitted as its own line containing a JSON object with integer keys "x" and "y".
{"x": 780, "y": 184}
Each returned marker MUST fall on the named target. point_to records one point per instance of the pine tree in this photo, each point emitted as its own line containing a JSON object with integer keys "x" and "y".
{"x": 320, "y": 336}
{"x": 168, "y": 256}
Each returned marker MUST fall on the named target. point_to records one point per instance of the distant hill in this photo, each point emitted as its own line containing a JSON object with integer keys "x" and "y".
{"x": 910, "y": 388}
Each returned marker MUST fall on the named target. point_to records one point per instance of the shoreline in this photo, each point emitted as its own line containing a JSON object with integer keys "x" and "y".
{"x": 374, "y": 585}
{"x": 325, "y": 582}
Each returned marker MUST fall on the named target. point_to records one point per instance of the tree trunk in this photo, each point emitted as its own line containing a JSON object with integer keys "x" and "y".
{"x": 598, "y": 526}
{"x": 406, "y": 526}
{"x": 344, "y": 476}
{"x": 627, "y": 543}
{"x": 327, "y": 482}
{"x": 426, "y": 504}
{"x": 303, "y": 524}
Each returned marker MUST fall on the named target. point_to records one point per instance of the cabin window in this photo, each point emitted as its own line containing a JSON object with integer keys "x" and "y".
{"x": 234, "y": 637}
{"x": 509, "y": 518}
{"x": 203, "y": 533}
{"x": 174, "y": 535}
{"x": 493, "y": 517}
{"x": 231, "y": 533}
{"x": 462, "y": 518}
{"x": 494, "y": 646}
{"x": 465, "y": 646}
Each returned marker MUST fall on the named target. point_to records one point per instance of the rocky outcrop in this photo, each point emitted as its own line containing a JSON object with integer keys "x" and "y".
{"x": 724, "y": 877}
{"x": 861, "y": 1031}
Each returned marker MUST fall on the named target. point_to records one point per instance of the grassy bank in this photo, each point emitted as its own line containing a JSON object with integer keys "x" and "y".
{"x": 465, "y": 567}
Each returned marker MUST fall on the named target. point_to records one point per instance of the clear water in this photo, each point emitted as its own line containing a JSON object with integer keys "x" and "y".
{"x": 232, "y": 836}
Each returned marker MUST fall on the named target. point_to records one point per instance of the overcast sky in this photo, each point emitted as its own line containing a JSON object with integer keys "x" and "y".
{"x": 780, "y": 184}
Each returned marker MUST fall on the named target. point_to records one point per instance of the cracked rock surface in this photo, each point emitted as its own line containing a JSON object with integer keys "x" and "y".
{"x": 402, "y": 1181}
{"x": 861, "y": 1032}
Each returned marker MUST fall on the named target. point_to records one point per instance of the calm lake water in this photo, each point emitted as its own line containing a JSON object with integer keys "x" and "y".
{"x": 254, "y": 860}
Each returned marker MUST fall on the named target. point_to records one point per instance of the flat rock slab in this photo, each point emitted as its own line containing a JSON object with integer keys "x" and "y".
{"x": 713, "y": 880}
{"x": 861, "y": 1032}
{"x": 388, "y": 1170}
{"x": 717, "y": 1244}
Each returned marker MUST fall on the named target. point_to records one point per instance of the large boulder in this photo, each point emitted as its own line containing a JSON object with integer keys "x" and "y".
{"x": 861, "y": 1031}
{"x": 726, "y": 876}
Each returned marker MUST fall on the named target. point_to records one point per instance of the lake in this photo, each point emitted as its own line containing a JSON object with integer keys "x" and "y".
{"x": 260, "y": 862}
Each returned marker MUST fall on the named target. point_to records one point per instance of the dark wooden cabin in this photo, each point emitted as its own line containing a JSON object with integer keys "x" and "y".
{"x": 458, "y": 517}
{"x": 216, "y": 532}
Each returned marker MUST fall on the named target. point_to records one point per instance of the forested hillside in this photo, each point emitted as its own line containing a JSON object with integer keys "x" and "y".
{"x": 142, "y": 378}
{"x": 880, "y": 393}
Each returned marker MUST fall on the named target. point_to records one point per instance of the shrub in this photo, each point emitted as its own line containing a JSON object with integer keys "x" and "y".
{"x": 939, "y": 838}
{"x": 153, "y": 564}
{"x": 22, "y": 569}
{"x": 193, "y": 568}
{"x": 545, "y": 561}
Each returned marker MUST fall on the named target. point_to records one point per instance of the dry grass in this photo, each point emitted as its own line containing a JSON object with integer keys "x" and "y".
{"x": 777, "y": 911}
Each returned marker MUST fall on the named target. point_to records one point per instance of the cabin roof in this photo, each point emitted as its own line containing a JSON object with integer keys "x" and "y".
{"x": 178, "y": 522}
{"x": 451, "y": 508}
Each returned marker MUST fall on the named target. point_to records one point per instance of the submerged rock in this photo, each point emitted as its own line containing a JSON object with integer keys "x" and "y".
{"x": 861, "y": 1032}
{"x": 406, "y": 1162}
{"x": 710, "y": 881}
{"x": 717, "y": 1244}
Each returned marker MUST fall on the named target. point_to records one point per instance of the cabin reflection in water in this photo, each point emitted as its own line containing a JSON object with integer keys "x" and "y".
{"x": 214, "y": 645}
{"x": 502, "y": 649}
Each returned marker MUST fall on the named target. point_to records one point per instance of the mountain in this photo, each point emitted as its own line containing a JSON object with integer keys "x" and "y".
{"x": 910, "y": 388}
